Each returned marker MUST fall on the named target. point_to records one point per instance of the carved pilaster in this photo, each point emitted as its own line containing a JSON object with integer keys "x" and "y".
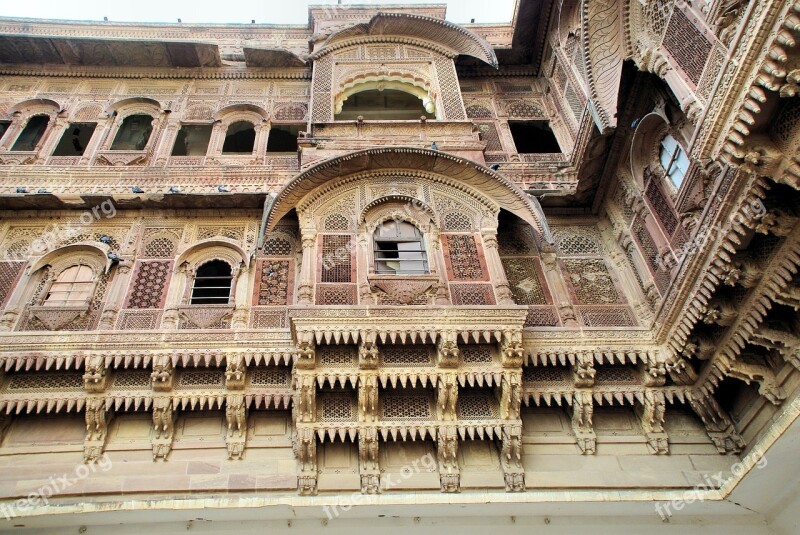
{"x": 582, "y": 425}
{"x": 447, "y": 454}
{"x": 511, "y": 458}
{"x": 495, "y": 267}
{"x": 368, "y": 465}
{"x": 305, "y": 289}
{"x": 236, "y": 416}
{"x": 163, "y": 427}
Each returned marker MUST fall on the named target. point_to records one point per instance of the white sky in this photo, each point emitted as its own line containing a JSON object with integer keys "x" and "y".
{"x": 241, "y": 11}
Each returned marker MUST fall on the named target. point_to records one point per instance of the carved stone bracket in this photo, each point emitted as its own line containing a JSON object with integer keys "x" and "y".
{"x": 447, "y": 453}
{"x": 651, "y": 417}
{"x": 235, "y": 373}
{"x": 95, "y": 378}
{"x": 511, "y": 458}
{"x": 304, "y": 446}
{"x": 447, "y": 396}
{"x": 583, "y": 372}
{"x": 765, "y": 377}
{"x": 236, "y": 416}
{"x": 719, "y": 425}
{"x": 163, "y": 427}
{"x": 512, "y": 351}
{"x": 368, "y": 398}
{"x": 368, "y": 354}
{"x": 368, "y": 466}
{"x": 163, "y": 373}
{"x": 510, "y": 395}
{"x": 97, "y": 420}
{"x": 304, "y": 402}
{"x": 447, "y": 351}
{"x": 582, "y": 425}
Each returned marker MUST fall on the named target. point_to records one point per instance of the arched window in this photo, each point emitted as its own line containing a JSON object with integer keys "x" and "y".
{"x": 384, "y": 105}
{"x": 240, "y": 138}
{"x": 399, "y": 249}
{"x": 72, "y": 287}
{"x": 31, "y": 134}
{"x": 134, "y": 133}
{"x": 212, "y": 284}
{"x": 674, "y": 160}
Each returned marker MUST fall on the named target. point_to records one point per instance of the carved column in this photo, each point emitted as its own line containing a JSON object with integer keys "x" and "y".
{"x": 368, "y": 397}
{"x": 16, "y": 301}
{"x": 305, "y": 289}
{"x": 438, "y": 267}
{"x": 97, "y": 140}
{"x": 511, "y": 395}
{"x": 447, "y": 453}
{"x": 167, "y": 140}
{"x": 239, "y": 295}
{"x": 115, "y": 295}
{"x": 52, "y": 135}
{"x": 13, "y": 130}
{"x": 368, "y": 464}
{"x": 363, "y": 266}
{"x": 260, "y": 144}
{"x": 304, "y": 403}
{"x": 495, "y": 266}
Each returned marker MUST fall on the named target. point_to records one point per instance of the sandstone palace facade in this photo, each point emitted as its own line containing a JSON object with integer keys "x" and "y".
{"x": 387, "y": 258}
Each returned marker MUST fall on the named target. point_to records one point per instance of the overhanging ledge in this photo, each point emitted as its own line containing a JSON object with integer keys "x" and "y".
{"x": 496, "y": 187}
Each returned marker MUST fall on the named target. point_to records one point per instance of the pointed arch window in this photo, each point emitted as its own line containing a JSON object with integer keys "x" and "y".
{"x": 399, "y": 249}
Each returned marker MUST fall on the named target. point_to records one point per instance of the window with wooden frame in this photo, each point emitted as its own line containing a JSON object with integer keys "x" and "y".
{"x": 399, "y": 249}
{"x": 73, "y": 287}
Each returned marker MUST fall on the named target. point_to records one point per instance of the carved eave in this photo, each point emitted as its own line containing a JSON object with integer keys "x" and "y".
{"x": 603, "y": 52}
{"x": 480, "y": 325}
{"x": 454, "y": 169}
{"x": 457, "y": 39}
{"x": 272, "y": 58}
{"x": 28, "y": 49}
{"x": 66, "y": 201}
{"x": 396, "y": 431}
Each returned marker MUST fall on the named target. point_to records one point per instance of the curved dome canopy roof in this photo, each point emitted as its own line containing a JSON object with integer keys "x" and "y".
{"x": 494, "y": 186}
{"x": 446, "y": 34}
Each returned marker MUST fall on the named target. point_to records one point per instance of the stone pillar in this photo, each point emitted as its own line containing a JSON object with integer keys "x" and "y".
{"x": 260, "y": 144}
{"x": 165, "y": 144}
{"x": 16, "y": 126}
{"x": 561, "y": 296}
{"x": 52, "y": 135}
{"x": 98, "y": 139}
{"x": 240, "y": 293}
{"x": 437, "y": 267}
{"x": 495, "y": 267}
{"x": 305, "y": 290}
{"x": 363, "y": 267}
{"x": 16, "y": 301}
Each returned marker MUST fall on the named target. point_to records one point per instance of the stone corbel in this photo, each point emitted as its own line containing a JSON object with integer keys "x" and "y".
{"x": 95, "y": 377}
{"x": 97, "y": 420}
{"x": 368, "y": 465}
{"x": 721, "y": 312}
{"x": 512, "y": 352}
{"x": 510, "y": 395}
{"x": 368, "y": 354}
{"x": 743, "y": 271}
{"x": 236, "y": 416}
{"x": 368, "y": 398}
{"x": 765, "y": 377}
{"x": 789, "y": 296}
{"x": 651, "y": 417}
{"x": 163, "y": 427}
{"x": 235, "y": 373}
{"x": 163, "y": 373}
{"x": 718, "y": 424}
{"x": 304, "y": 403}
{"x": 306, "y": 352}
{"x": 777, "y": 223}
{"x": 582, "y": 426}
{"x": 447, "y": 352}
{"x": 511, "y": 458}
{"x": 583, "y": 372}
{"x": 681, "y": 371}
{"x": 447, "y": 396}
{"x": 654, "y": 374}
{"x": 304, "y": 446}
{"x": 447, "y": 454}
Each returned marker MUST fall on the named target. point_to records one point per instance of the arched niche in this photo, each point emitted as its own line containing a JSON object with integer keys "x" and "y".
{"x": 92, "y": 254}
